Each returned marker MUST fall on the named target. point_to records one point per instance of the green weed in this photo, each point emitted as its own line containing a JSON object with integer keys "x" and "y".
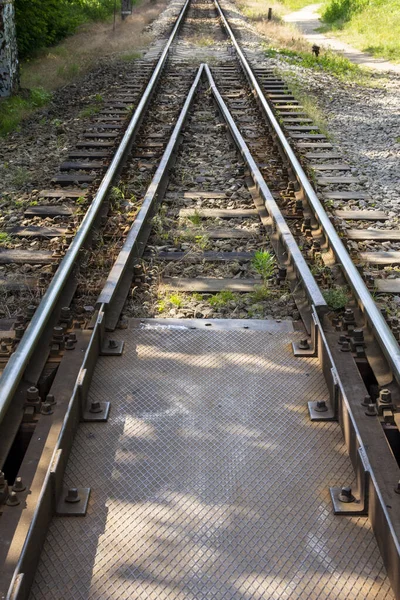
{"x": 195, "y": 219}
{"x": 260, "y": 293}
{"x": 202, "y": 242}
{"x": 176, "y": 300}
{"x": 222, "y": 298}
{"x": 4, "y": 238}
{"x": 264, "y": 264}
{"x": 337, "y": 297}
{"x": 20, "y": 177}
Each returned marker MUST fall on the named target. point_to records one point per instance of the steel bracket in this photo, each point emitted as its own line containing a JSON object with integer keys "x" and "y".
{"x": 331, "y": 412}
{"x": 312, "y": 350}
{"x": 359, "y": 505}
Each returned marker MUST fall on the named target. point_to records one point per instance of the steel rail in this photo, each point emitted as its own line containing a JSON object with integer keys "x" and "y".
{"x": 388, "y": 342}
{"x": 132, "y": 239}
{"x": 19, "y": 360}
{"x": 311, "y": 288}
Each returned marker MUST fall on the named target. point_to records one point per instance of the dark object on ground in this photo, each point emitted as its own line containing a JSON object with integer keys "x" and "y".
{"x": 269, "y": 14}
{"x": 316, "y": 49}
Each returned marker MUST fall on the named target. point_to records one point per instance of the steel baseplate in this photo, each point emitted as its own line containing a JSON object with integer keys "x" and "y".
{"x": 73, "y": 502}
{"x": 112, "y": 347}
{"x": 209, "y": 481}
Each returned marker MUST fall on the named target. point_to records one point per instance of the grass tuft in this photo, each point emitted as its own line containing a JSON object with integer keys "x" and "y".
{"x": 13, "y": 110}
{"x": 337, "y": 297}
{"x": 327, "y": 61}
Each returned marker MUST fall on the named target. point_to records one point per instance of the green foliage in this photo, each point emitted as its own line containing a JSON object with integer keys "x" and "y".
{"x": 176, "y": 300}
{"x": 222, "y": 298}
{"x": 261, "y": 293}
{"x": 336, "y": 297}
{"x": 371, "y": 25}
{"x": 343, "y": 9}
{"x": 16, "y": 108}
{"x": 328, "y": 61}
{"x": 4, "y": 238}
{"x": 42, "y": 23}
{"x": 264, "y": 263}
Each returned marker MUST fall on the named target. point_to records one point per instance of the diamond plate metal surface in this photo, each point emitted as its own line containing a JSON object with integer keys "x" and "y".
{"x": 209, "y": 481}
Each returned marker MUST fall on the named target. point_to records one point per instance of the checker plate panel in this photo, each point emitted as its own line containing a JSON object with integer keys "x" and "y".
{"x": 209, "y": 481}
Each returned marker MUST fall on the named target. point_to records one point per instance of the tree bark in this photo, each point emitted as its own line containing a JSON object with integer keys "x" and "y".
{"x": 9, "y": 65}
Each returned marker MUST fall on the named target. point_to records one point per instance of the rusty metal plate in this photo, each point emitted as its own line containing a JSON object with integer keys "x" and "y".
{"x": 209, "y": 481}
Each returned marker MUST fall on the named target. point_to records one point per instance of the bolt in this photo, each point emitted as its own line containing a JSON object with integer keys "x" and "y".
{"x": 397, "y": 488}
{"x": 3, "y": 347}
{"x": 19, "y": 331}
{"x": 112, "y": 344}
{"x": 20, "y": 319}
{"x": 69, "y": 345}
{"x": 346, "y": 495}
{"x": 343, "y": 339}
{"x": 58, "y": 334}
{"x": 46, "y": 409}
{"x": 32, "y": 394}
{"x": 321, "y": 406}
{"x": 95, "y": 407}
{"x": 358, "y": 335}
{"x": 367, "y": 400}
{"x": 72, "y": 496}
{"x": 72, "y": 337}
{"x": 50, "y": 399}
{"x": 371, "y": 410}
{"x": 385, "y": 396}
{"x": 30, "y": 311}
{"x": 12, "y": 499}
{"x": 345, "y": 347}
{"x": 2, "y": 479}
{"x": 18, "y": 485}
{"x": 304, "y": 345}
{"x": 65, "y": 313}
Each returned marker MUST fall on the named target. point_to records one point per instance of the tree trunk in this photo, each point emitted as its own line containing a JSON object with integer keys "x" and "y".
{"x": 9, "y": 67}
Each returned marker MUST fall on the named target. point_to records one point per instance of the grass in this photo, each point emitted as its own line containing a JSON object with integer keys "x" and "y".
{"x": 92, "y": 109}
{"x": 337, "y": 297}
{"x": 264, "y": 264}
{"x": 295, "y": 4}
{"x": 260, "y": 293}
{"x": 13, "y": 110}
{"x": 92, "y": 44}
{"x": 195, "y": 219}
{"x": 371, "y": 25}
{"x": 327, "y": 61}
{"x": 20, "y": 177}
{"x": 222, "y": 298}
{"x": 4, "y": 238}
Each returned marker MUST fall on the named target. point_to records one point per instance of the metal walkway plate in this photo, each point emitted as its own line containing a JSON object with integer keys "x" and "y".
{"x": 209, "y": 481}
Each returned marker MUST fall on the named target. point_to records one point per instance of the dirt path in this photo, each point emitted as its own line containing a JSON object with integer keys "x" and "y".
{"x": 307, "y": 20}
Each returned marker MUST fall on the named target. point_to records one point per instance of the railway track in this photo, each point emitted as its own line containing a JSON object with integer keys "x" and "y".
{"x": 202, "y": 212}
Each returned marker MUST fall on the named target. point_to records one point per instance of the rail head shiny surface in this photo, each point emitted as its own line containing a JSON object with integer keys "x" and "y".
{"x": 14, "y": 370}
{"x": 312, "y": 289}
{"x": 386, "y": 339}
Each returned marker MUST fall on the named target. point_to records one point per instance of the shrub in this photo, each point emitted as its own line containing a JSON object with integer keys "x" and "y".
{"x": 42, "y": 23}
